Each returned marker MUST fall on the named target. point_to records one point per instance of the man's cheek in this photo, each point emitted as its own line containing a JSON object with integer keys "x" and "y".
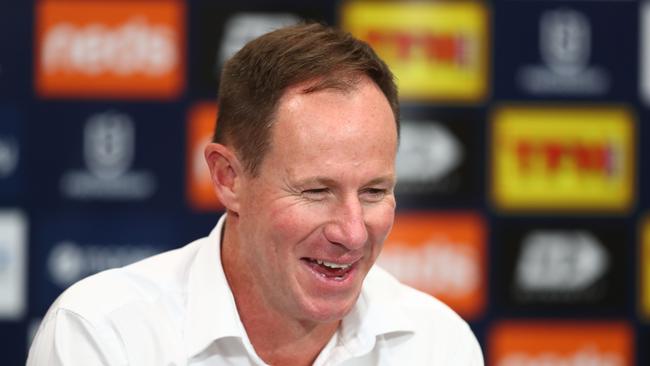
{"x": 295, "y": 221}
{"x": 381, "y": 218}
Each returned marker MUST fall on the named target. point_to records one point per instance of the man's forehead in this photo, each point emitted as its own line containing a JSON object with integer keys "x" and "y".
{"x": 295, "y": 96}
{"x": 332, "y": 122}
{"x": 300, "y": 91}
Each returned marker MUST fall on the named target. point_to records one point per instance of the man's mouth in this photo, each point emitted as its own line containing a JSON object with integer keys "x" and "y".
{"x": 330, "y": 270}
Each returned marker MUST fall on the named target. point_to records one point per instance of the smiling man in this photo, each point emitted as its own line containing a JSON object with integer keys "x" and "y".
{"x": 303, "y": 160}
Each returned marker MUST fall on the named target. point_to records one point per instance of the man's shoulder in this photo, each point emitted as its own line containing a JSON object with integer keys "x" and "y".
{"x": 161, "y": 277}
{"x": 134, "y": 314}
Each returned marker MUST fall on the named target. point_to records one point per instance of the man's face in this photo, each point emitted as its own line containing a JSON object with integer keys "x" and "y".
{"x": 313, "y": 222}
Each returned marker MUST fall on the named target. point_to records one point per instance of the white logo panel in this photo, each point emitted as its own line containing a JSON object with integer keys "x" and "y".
{"x": 109, "y": 150}
{"x": 565, "y": 42}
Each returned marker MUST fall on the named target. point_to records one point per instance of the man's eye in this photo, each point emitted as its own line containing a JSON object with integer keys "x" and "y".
{"x": 315, "y": 193}
{"x": 374, "y": 194}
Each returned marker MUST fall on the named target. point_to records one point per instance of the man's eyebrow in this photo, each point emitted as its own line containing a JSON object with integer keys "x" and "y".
{"x": 318, "y": 180}
{"x": 326, "y": 181}
{"x": 382, "y": 180}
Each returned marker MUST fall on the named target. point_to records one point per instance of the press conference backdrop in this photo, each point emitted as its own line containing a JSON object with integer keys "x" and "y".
{"x": 523, "y": 196}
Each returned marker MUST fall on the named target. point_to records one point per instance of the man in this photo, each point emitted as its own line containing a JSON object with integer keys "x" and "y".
{"x": 303, "y": 161}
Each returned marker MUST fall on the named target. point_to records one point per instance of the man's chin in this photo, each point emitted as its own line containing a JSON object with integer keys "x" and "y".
{"x": 326, "y": 312}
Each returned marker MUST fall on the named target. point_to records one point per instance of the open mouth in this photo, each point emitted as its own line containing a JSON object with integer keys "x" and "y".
{"x": 330, "y": 270}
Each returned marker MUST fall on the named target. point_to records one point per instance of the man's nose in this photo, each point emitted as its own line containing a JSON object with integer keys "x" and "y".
{"x": 347, "y": 226}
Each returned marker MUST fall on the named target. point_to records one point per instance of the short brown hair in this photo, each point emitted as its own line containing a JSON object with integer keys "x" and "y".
{"x": 255, "y": 78}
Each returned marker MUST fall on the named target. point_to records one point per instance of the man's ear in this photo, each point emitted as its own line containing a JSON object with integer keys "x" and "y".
{"x": 225, "y": 171}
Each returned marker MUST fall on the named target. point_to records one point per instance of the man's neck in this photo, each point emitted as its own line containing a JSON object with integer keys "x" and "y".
{"x": 278, "y": 339}
{"x": 281, "y": 341}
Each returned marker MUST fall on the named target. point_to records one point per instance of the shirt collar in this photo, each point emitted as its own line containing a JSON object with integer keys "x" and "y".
{"x": 211, "y": 310}
{"x": 378, "y": 312}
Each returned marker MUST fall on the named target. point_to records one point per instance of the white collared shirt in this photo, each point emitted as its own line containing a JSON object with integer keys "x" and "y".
{"x": 176, "y": 308}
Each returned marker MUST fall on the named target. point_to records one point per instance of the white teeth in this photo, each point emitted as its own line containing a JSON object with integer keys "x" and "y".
{"x": 333, "y": 265}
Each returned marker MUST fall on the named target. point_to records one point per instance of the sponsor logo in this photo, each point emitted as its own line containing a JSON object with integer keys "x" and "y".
{"x": 441, "y": 254}
{"x": 438, "y": 158}
{"x": 108, "y": 151}
{"x": 428, "y": 152}
{"x": 13, "y": 267}
{"x": 108, "y": 49}
{"x": 201, "y": 120}
{"x": 556, "y": 265}
{"x": 565, "y": 48}
{"x": 438, "y": 51}
{"x": 645, "y": 268}
{"x": 68, "y": 261}
{"x": 555, "y": 343}
{"x": 563, "y": 158}
{"x": 561, "y": 266}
